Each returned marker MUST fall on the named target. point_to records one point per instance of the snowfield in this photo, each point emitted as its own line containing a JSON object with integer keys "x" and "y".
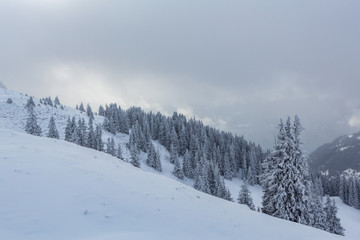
{"x": 52, "y": 189}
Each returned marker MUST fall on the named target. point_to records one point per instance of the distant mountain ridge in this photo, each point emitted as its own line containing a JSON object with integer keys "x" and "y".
{"x": 338, "y": 156}
{"x": 2, "y": 85}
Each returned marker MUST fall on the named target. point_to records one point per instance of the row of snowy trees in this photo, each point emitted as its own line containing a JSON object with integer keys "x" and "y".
{"x": 83, "y": 134}
{"x": 289, "y": 192}
{"x": 88, "y": 111}
{"x": 208, "y": 154}
{"x": 349, "y": 191}
{"x": 346, "y": 186}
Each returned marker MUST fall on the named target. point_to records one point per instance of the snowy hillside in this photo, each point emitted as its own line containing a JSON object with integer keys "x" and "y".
{"x": 102, "y": 195}
{"x": 51, "y": 189}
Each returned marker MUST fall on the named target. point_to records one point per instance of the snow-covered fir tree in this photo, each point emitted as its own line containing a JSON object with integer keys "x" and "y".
{"x": 90, "y": 135}
{"x": 245, "y": 196}
{"x": 178, "y": 171}
{"x": 153, "y": 158}
{"x": 333, "y": 224}
{"x": 110, "y": 147}
{"x": 57, "y": 101}
{"x": 316, "y": 208}
{"x": 285, "y": 182}
{"x": 30, "y": 103}
{"x": 134, "y": 156}
{"x": 119, "y": 154}
{"x": 173, "y": 154}
{"x": 31, "y": 126}
{"x": 89, "y": 111}
{"x": 98, "y": 144}
{"x": 101, "y": 111}
{"x": 81, "y": 107}
{"x": 52, "y": 130}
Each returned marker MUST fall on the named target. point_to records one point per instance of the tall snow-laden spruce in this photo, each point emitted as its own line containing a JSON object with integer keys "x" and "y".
{"x": 286, "y": 176}
{"x": 52, "y": 130}
{"x": 153, "y": 158}
{"x": 32, "y": 127}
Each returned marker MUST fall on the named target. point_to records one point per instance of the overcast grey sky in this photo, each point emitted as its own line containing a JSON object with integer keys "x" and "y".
{"x": 237, "y": 65}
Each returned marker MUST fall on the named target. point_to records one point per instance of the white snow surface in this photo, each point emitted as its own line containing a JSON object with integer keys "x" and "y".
{"x": 343, "y": 148}
{"x": 52, "y": 189}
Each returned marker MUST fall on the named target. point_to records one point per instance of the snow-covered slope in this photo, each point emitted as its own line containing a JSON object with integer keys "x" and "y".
{"x": 83, "y": 184}
{"x": 51, "y": 189}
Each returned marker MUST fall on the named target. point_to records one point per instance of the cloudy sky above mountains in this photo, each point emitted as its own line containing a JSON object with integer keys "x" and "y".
{"x": 237, "y": 65}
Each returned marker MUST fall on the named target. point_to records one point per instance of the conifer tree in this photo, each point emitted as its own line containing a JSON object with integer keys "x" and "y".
{"x": 227, "y": 168}
{"x": 82, "y": 132}
{"x": 123, "y": 122}
{"x": 52, "y": 130}
{"x": 342, "y": 191}
{"x": 56, "y": 101}
{"x": 110, "y": 147}
{"x": 119, "y": 153}
{"x": 173, "y": 154}
{"x": 90, "y": 135}
{"x": 353, "y": 199}
{"x": 75, "y": 137}
{"x": 174, "y": 140}
{"x": 251, "y": 173}
{"x": 68, "y": 130}
{"x": 81, "y": 107}
{"x": 158, "y": 166}
{"x": 134, "y": 155}
{"x": 286, "y": 193}
{"x": 153, "y": 158}
{"x": 101, "y": 111}
{"x": 99, "y": 145}
{"x": 30, "y": 103}
{"x": 178, "y": 172}
{"x": 244, "y": 166}
{"x": 186, "y": 165}
{"x": 333, "y": 224}
{"x": 201, "y": 181}
{"x": 245, "y": 196}
{"x": 32, "y": 126}
{"x": 182, "y": 141}
{"x": 89, "y": 111}
{"x": 317, "y": 212}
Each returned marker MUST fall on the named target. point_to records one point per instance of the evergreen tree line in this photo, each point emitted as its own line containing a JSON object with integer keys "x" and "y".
{"x": 349, "y": 190}
{"x": 232, "y": 154}
{"x": 198, "y": 152}
{"x": 31, "y": 126}
{"x": 88, "y": 110}
{"x": 78, "y": 132}
{"x": 50, "y": 102}
{"x": 346, "y": 186}
{"x": 289, "y": 191}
